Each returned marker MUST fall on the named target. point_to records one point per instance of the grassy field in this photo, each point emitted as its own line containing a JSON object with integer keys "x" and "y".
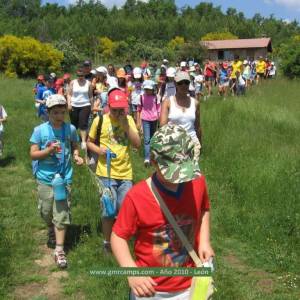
{"x": 251, "y": 160}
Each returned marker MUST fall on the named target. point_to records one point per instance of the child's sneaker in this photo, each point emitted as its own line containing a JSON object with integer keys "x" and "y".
{"x": 60, "y": 259}
{"x": 147, "y": 163}
{"x": 107, "y": 247}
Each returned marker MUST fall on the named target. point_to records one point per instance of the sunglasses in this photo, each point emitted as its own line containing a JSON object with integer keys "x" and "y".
{"x": 185, "y": 82}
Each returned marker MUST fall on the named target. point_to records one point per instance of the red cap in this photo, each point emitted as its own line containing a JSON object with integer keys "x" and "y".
{"x": 66, "y": 76}
{"x": 117, "y": 99}
{"x": 59, "y": 81}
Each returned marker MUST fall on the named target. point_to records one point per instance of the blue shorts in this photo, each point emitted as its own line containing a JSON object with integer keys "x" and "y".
{"x": 133, "y": 108}
{"x": 119, "y": 188}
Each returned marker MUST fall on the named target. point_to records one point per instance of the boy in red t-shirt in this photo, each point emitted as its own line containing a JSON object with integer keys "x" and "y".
{"x": 183, "y": 189}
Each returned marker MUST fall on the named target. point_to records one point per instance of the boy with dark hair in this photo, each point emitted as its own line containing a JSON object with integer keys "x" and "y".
{"x": 52, "y": 146}
{"x": 183, "y": 189}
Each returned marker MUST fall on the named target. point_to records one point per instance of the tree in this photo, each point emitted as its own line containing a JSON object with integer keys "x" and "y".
{"x": 213, "y": 36}
{"x": 192, "y": 50}
{"x": 176, "y": 43}
{"x": 290, "y": 57}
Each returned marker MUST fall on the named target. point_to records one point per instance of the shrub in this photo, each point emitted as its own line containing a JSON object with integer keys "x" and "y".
{"x": 27, "y": 56}
{"x": 71, "y": 53}
{"x": 290, "y": 57}
{"x": 214, "y": 36}
{"x": 106, "y": 47}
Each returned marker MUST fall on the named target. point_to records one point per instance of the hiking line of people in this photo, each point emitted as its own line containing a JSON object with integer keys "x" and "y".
{"x": 111, "y": 110}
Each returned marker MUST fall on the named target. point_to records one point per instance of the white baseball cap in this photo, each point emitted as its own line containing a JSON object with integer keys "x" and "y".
{"x": 183, "y": 64}
{"x": 245, "y": 62}
{"x": 137, "y": 73}
{"x": 182, "y": 76}
{"x": 171, "y": 72}
{"x": 101, "y": 69}
{"x": 55, "y": 99}
{"x": 148, "y": 85}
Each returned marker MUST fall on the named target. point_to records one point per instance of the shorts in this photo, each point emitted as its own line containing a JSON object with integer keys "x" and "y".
{"x": 133, "y": 108}
{"x": 209, "y": 78}
{"x": 53, "y": 212}
{"x": 224, "y": 84}
{"x": 79, "y": 117}
{"x": 182, "y": 295}
{"x": 260, "y": 74}
{"x": 119, "y": 188}
{"x": 198, "y": 89}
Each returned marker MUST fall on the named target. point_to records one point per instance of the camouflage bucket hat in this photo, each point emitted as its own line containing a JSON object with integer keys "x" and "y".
{"x": 173, "y": 150}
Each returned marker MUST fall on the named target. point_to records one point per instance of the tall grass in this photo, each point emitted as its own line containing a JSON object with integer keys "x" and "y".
{"x": 251, "y": 161}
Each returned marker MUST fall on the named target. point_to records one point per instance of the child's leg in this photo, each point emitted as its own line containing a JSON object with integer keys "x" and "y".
{"x": 1, "y": 142}
{"x": 61, "y": 218}
{"x": 147, "y": 137}
{"x": 107, "y": 223}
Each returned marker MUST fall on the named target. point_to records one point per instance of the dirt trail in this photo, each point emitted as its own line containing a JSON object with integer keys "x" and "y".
{"x": 53, "y": 288}
{"x": 265, "y": 281}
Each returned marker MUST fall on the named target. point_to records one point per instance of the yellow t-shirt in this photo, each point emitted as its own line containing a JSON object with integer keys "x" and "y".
{"x": 236, "y": 66}
{"x": 101, "y": 87}
{"x": 113, "y": 137}
{"x": 261, "y": 66}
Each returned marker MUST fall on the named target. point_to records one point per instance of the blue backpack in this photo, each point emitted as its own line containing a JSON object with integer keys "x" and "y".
{"x": 44, "y": 132}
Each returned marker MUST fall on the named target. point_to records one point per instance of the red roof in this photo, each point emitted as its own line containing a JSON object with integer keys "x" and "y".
{"x": 239, "y": 44}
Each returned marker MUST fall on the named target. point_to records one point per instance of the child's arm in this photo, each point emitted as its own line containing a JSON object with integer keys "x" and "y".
{"x": 96, "y": 106}
{"x": 205, "y": 250}
{"x": 164, "y": 112}
{"x": 77, "y": 158}
{"x": 69, "y": 96}
{"x": 138, "y": 119}
{"x": 141, "y": 286}
{"x": 197, "y": 120}
{"x": 37, "y": 154}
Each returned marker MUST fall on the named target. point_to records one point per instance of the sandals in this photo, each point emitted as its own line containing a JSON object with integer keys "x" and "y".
{"x": 60, "y": 259}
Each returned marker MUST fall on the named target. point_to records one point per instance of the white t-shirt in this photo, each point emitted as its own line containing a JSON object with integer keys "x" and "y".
{"x": 3, "y": 115}
{"x": 80, "y": 96}
{"x": 112, "y": 81}
{"x": 183, "y": 117}
{"x": 199, "y": 79}
{"x": 241, "y": 81}
{"x": 272, "y": 71}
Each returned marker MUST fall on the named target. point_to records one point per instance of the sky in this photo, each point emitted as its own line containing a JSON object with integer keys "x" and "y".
{"x": 288, "y": 10}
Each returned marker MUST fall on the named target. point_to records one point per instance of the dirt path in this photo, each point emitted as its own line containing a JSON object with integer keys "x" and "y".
{"x": 265, "y": 281}
{"x": 52, "y": 289}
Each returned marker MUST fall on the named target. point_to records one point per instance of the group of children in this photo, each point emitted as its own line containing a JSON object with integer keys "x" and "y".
{"x": 125, "y": 104}
{"x": 237, "y": 76}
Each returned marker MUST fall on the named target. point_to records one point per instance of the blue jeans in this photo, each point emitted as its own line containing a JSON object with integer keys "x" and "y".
{"x": 119, "y": 188}
{"x": 149, "y": 128}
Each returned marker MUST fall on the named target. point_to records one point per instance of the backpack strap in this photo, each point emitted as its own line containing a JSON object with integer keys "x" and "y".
{"x": 194, "y": 256}
{"x": 99, "y": 129}
{"x": 141, "y": 99}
